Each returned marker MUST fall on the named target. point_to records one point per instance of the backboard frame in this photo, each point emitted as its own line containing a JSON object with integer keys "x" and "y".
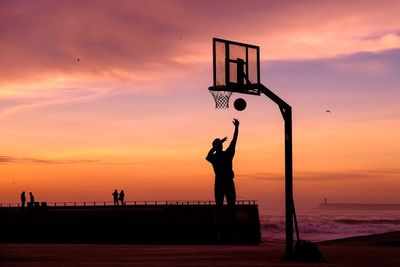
{"x": 243, "y": 84}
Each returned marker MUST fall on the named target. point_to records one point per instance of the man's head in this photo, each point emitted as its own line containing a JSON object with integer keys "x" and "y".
{"x": 217, "y": 144}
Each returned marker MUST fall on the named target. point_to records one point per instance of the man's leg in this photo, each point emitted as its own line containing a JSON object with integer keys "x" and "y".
{"x": 219, "y": 200}
{"x": 230, "y": 193}
{"x": 219, "y": 204}
{"x": 219, "y": 194}
{"x": 231, "y": 216}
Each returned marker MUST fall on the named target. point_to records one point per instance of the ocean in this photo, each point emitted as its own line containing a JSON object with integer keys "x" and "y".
{"x": 320, "y": 224}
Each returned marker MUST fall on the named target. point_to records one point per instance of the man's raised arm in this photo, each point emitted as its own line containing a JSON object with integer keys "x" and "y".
{"x": 232, "y": 146}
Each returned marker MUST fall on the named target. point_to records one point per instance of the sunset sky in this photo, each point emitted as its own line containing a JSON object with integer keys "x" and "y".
{"x": 134, "y": 112}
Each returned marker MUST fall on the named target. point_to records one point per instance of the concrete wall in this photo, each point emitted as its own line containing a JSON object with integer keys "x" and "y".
{"x": 169, "y": 224}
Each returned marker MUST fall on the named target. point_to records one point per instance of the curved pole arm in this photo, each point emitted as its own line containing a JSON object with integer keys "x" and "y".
{"x": 283, "y": 106}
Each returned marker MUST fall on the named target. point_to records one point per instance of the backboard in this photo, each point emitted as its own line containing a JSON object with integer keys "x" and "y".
{"x": 236, "y": 67}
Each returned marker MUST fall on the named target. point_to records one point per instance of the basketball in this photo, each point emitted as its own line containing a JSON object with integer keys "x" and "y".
{"x": 240, "y": 104}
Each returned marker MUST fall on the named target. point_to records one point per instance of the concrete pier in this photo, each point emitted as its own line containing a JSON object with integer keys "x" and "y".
{"x": 135, "y": 224}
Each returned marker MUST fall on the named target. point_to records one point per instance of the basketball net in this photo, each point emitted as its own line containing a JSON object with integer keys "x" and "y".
{"x": 221, "y": 98}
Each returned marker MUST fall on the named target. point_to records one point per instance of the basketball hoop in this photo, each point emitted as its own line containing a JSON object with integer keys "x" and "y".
{"x": 221, "y": 98}
{"x": 236, "y": 69}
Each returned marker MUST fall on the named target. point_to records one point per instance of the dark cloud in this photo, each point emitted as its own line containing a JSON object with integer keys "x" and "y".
{"x": 22, "y": 160}
{"x": 363, "y": 70}
{"x": 346, "y": 84}
{"x": 262, "y": 176}
{"x": 329, "y": 176}
{"x": 9, "y": 159}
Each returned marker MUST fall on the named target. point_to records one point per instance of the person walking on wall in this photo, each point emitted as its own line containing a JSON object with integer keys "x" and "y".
{"x": 23, "y": 199}
{"x": 122, "y": 197}
{"x": 115, "y": 197}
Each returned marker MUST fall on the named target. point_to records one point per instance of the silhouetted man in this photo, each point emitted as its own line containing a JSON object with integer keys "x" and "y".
{"x": 23, "y": 199}
{"x": 115, "y": 196}
{"x": 32, "y": 199}
{"x": 223, "y": 169}
{"x": 122, "y": 197}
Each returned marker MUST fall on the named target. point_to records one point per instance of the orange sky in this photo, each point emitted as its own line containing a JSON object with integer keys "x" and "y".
{"x": 135, "y": 112}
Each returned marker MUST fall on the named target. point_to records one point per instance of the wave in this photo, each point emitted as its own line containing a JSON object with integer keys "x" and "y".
{"x": 273, "y": 226}
{"x": 330, "y": 225}
{"x": 380, "y": 221}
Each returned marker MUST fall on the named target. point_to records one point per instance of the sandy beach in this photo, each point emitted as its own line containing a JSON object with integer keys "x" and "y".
{"x": 373, "y": 250}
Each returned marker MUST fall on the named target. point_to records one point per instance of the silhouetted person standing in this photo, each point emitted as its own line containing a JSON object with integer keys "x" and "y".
{"x": 115, "y": 197}
{"x": 223, "y": 168}
{"x": 32, "y": 199}
{"x": 23, "y": 199}
{"x": 122, "y": 197}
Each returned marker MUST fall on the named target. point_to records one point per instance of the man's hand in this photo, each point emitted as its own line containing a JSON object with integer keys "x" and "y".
{"x": 235, "y": 122}
{"x": 224, "y": 139}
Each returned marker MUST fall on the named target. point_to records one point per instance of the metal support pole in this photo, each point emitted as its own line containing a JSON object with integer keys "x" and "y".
{"x": 288, "y": 182}
{"x": 286, "y": 111}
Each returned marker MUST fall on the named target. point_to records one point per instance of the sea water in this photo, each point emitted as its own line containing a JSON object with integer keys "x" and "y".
{"x": 319, "y": 224}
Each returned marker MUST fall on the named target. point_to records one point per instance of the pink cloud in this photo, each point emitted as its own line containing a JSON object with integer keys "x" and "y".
{"x": 136, "y": 40}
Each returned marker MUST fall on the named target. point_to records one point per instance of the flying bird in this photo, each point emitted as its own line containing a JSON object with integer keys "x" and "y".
{"x": 328, "y": 111}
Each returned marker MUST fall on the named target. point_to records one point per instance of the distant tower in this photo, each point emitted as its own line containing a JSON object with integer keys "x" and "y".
{"x": 325, "y": 201}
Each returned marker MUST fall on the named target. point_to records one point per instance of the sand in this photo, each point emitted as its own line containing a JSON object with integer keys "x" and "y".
{"x": 374, "y": 250}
